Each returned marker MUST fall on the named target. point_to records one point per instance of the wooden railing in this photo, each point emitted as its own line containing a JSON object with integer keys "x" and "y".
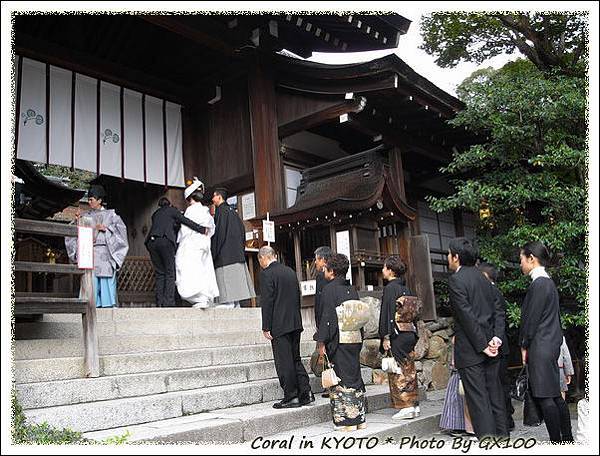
{"x": 41, "y": 303}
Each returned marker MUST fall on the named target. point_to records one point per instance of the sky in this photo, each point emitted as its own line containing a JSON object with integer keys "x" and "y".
{"x": 424, "y": 64}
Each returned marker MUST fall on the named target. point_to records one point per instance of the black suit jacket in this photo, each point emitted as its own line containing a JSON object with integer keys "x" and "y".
{"x": 321, "y": 281}
{"x": 229, "y": 241}
{"x": 474, "y": 304}
{"x": 280, "y": 300}
{"x": 500, "y": 320}
{"x": 166, "y": 222}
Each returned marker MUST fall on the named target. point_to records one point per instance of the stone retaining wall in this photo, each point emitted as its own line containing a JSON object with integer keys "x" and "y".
{"x": 433, "y": 351}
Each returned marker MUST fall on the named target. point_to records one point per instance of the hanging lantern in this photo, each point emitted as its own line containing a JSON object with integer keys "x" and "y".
{"x": 484, "y": 210}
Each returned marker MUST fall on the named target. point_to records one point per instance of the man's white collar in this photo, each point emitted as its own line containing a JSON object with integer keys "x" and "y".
{"x": 538, "y": 272}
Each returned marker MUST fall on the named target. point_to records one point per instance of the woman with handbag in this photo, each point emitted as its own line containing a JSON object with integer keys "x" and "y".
{"x": 540, "y": 340}
{"x": 399, "y": 336}
{"x": 340, "y": 339}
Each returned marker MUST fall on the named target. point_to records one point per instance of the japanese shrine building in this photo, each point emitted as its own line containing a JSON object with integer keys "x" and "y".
{"x": 339, "y": 155}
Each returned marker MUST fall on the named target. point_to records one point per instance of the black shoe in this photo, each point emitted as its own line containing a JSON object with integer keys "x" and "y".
{"x": 292, "y": 403}
{"x": 307, "y": 399}
{"x": 325, "y": 395}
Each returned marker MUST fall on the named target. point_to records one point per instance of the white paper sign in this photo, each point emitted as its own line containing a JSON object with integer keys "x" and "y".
{"x": 249, "y": 235}
{"x": 268, "y": 231}
{"x": 85, "y": 247}
{"x": 248, "y": 206}
{"x": 343, "y": 246}
{"x": 308, "y": 287}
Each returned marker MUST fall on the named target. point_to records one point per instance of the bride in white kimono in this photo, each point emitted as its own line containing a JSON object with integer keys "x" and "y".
{"x": 195, "y": 275}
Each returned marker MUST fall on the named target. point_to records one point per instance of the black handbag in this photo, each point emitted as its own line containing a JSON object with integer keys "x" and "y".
{"x": 532, "y": 415}
{"x": 521, "y": 385}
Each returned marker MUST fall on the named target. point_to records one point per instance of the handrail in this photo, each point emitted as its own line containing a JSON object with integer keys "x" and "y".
{"x": 45, "y": 228}
{"x": 59, "y": 304}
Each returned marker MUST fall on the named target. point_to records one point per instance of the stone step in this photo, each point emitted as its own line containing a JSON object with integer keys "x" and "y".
{"x": 381, "y": 428}
{"x": 112, "y": 345}
{"x": 44, "y": 370}
{"x": 81, "y": 390}
{"x": 181, "y": 327}
{"x": 238, "y": 424}
{"x": 93, "y": 416}
{"x": 158, "y": 313}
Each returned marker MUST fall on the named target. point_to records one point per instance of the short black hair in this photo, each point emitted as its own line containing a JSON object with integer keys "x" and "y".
{"x": 197, "y": 196}
{"x": 163, "y": 201}
{"x": 465, "y": 249}
{"x": 339, "y": 264}
{"x": 396, "y": 265}
{"x": 221, "y": 191}
{"x": 323, "y": 252}
{"x": 490, "y": 270}
{"x": 538, "y": 250}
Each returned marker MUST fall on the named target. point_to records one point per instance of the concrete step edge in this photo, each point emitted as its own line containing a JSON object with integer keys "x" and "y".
{"x": 129, "y": 411}
{"x": 236, "y": 424}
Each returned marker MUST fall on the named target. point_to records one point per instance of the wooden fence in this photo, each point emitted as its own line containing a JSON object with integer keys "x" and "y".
{"x": 27, "y": 303}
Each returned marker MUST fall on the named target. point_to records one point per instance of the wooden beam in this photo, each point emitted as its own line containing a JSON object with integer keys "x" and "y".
{"x": 45, "y": 228}
{"x": 336, "y": 86}
{"x": 30, "y": 266}
{"x": 199, "y": 36}
{"x": 397, "y": 137}
{"x": 86, "y": 64}
{"x": 318, "y": 118}
{"x": 300, "y": 157}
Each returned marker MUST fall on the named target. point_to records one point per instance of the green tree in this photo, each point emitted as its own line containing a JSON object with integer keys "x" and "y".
{"x": 548, "y": 40}
{"x": 527, "y": 180}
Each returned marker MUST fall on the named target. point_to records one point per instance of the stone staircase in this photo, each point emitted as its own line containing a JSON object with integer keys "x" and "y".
{"x": 177, "y": 374}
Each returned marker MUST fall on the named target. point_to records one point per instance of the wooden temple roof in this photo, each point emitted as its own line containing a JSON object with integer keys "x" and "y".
{"x": 173, "y": 56}
{"x": 403, "y": 106}
{"x": 43, "y": 196}
{"x": 347, "y": 185}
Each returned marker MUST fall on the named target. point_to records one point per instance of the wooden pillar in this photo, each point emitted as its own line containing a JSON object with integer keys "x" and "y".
{"x": 298, "y": 255}
{"x": 251, "y": 270}
{"x": 397, "y": 170}
{"x": 333, "y": 238}
{"x": 268, "y": 181}
{"x": 90, "y": 337}
{"x": 361, "y": 285}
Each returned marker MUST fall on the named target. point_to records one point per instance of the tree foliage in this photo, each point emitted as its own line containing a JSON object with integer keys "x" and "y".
{"x": 548, "y": 40}
{"x": 527, "y": 179}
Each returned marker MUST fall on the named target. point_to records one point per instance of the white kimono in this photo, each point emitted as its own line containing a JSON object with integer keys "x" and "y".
{"x": 194, "y": 271}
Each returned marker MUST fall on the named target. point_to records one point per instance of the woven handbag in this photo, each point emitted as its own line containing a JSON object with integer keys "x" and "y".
{"x": 329, "y": 378}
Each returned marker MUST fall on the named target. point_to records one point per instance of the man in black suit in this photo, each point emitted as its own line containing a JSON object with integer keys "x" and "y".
{"x": 161, "y": 242}
{"x": 491, "y": 273}
{"x": 282, "y": 325}
{"x": 475, "y": 351}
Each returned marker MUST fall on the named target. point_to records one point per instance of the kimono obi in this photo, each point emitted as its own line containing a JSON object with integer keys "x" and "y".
{"x": 352, "y": 316}
{"x": 408, "y": 309}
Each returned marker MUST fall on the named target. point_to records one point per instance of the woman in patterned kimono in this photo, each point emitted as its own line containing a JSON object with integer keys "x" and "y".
{"x": 398, "y": 335}
{"x": 110, "y": 246}
{"x": 348, "y": 402}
